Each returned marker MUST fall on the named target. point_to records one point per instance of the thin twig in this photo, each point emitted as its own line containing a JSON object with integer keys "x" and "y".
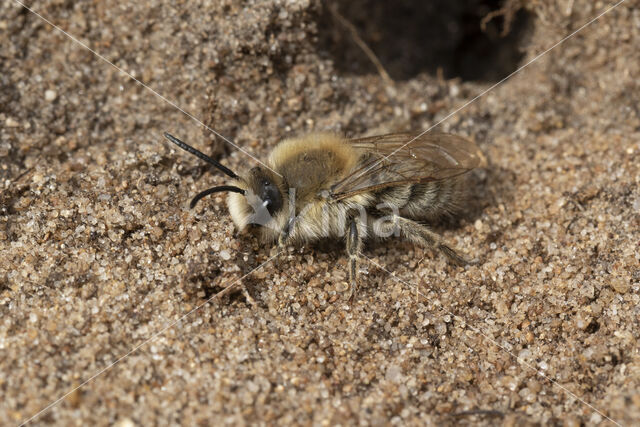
{"x": 361, "y": 43}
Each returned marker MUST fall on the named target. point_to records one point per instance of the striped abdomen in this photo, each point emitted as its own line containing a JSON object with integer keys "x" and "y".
{"x": 429, "y": 201}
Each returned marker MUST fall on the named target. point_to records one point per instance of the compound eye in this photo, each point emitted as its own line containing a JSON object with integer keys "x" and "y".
{"x": 270, "y": 195}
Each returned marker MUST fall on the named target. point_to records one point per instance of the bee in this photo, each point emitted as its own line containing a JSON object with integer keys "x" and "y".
{"x": 324, "y": 186}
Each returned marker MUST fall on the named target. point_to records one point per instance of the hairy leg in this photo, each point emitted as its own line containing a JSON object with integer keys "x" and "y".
{"x": 421, "y": 235}
{"x": 354, "y": 245}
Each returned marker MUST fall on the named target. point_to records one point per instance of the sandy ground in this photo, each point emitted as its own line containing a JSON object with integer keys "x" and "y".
{"x": 99, "y": 251}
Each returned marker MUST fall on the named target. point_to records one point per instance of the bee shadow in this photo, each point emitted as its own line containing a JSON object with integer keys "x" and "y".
{"x": 485, "y": 188}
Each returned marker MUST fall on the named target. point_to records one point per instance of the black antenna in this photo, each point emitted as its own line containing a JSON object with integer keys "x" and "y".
{"x": 202, "y": 156}
{"x": 212, "y": 190}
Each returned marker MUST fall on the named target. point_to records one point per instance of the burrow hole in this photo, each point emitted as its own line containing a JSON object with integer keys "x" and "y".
{"x": 414, "y": 36}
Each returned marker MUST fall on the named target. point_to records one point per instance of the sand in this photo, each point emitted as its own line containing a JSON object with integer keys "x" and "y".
{"x": 105, "y": 273}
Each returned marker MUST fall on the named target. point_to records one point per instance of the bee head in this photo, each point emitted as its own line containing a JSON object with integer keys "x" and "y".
{"x": 262, "y": 201}
{"x": 257, "y": 198}
{"x": 266, "y": 186}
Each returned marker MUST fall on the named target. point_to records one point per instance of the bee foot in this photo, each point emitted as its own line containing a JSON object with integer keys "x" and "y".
{"x": 249, "y": 298}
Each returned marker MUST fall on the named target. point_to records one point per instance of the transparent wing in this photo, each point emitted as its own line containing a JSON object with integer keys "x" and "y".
{"x": 405, "y": 158}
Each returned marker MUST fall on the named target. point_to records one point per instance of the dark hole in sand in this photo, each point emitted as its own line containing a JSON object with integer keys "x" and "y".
{"x": 414, "y": 36}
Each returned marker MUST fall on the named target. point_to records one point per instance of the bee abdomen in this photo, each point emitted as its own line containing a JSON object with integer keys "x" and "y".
{"x": 429, "y": 201}
{"x": 434, "y": 200}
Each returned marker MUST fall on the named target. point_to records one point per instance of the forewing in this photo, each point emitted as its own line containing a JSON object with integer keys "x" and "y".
{"x": 403, "y": 158}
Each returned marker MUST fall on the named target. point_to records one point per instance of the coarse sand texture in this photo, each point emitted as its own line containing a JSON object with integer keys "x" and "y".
{"x": 105, "y": 272}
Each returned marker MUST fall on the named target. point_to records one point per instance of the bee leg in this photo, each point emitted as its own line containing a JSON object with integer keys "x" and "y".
{"x": 421, "y": 235}
{"x": 248, "y": 297}
{"x": 281, "y": 249}
{"x": 284, "y": 235}
{"x": 282, "y": 241}
{"x": 354, "y": 243}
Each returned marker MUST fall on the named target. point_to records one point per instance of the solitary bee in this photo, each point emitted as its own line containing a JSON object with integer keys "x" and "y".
{"x": 324, "y": 186}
